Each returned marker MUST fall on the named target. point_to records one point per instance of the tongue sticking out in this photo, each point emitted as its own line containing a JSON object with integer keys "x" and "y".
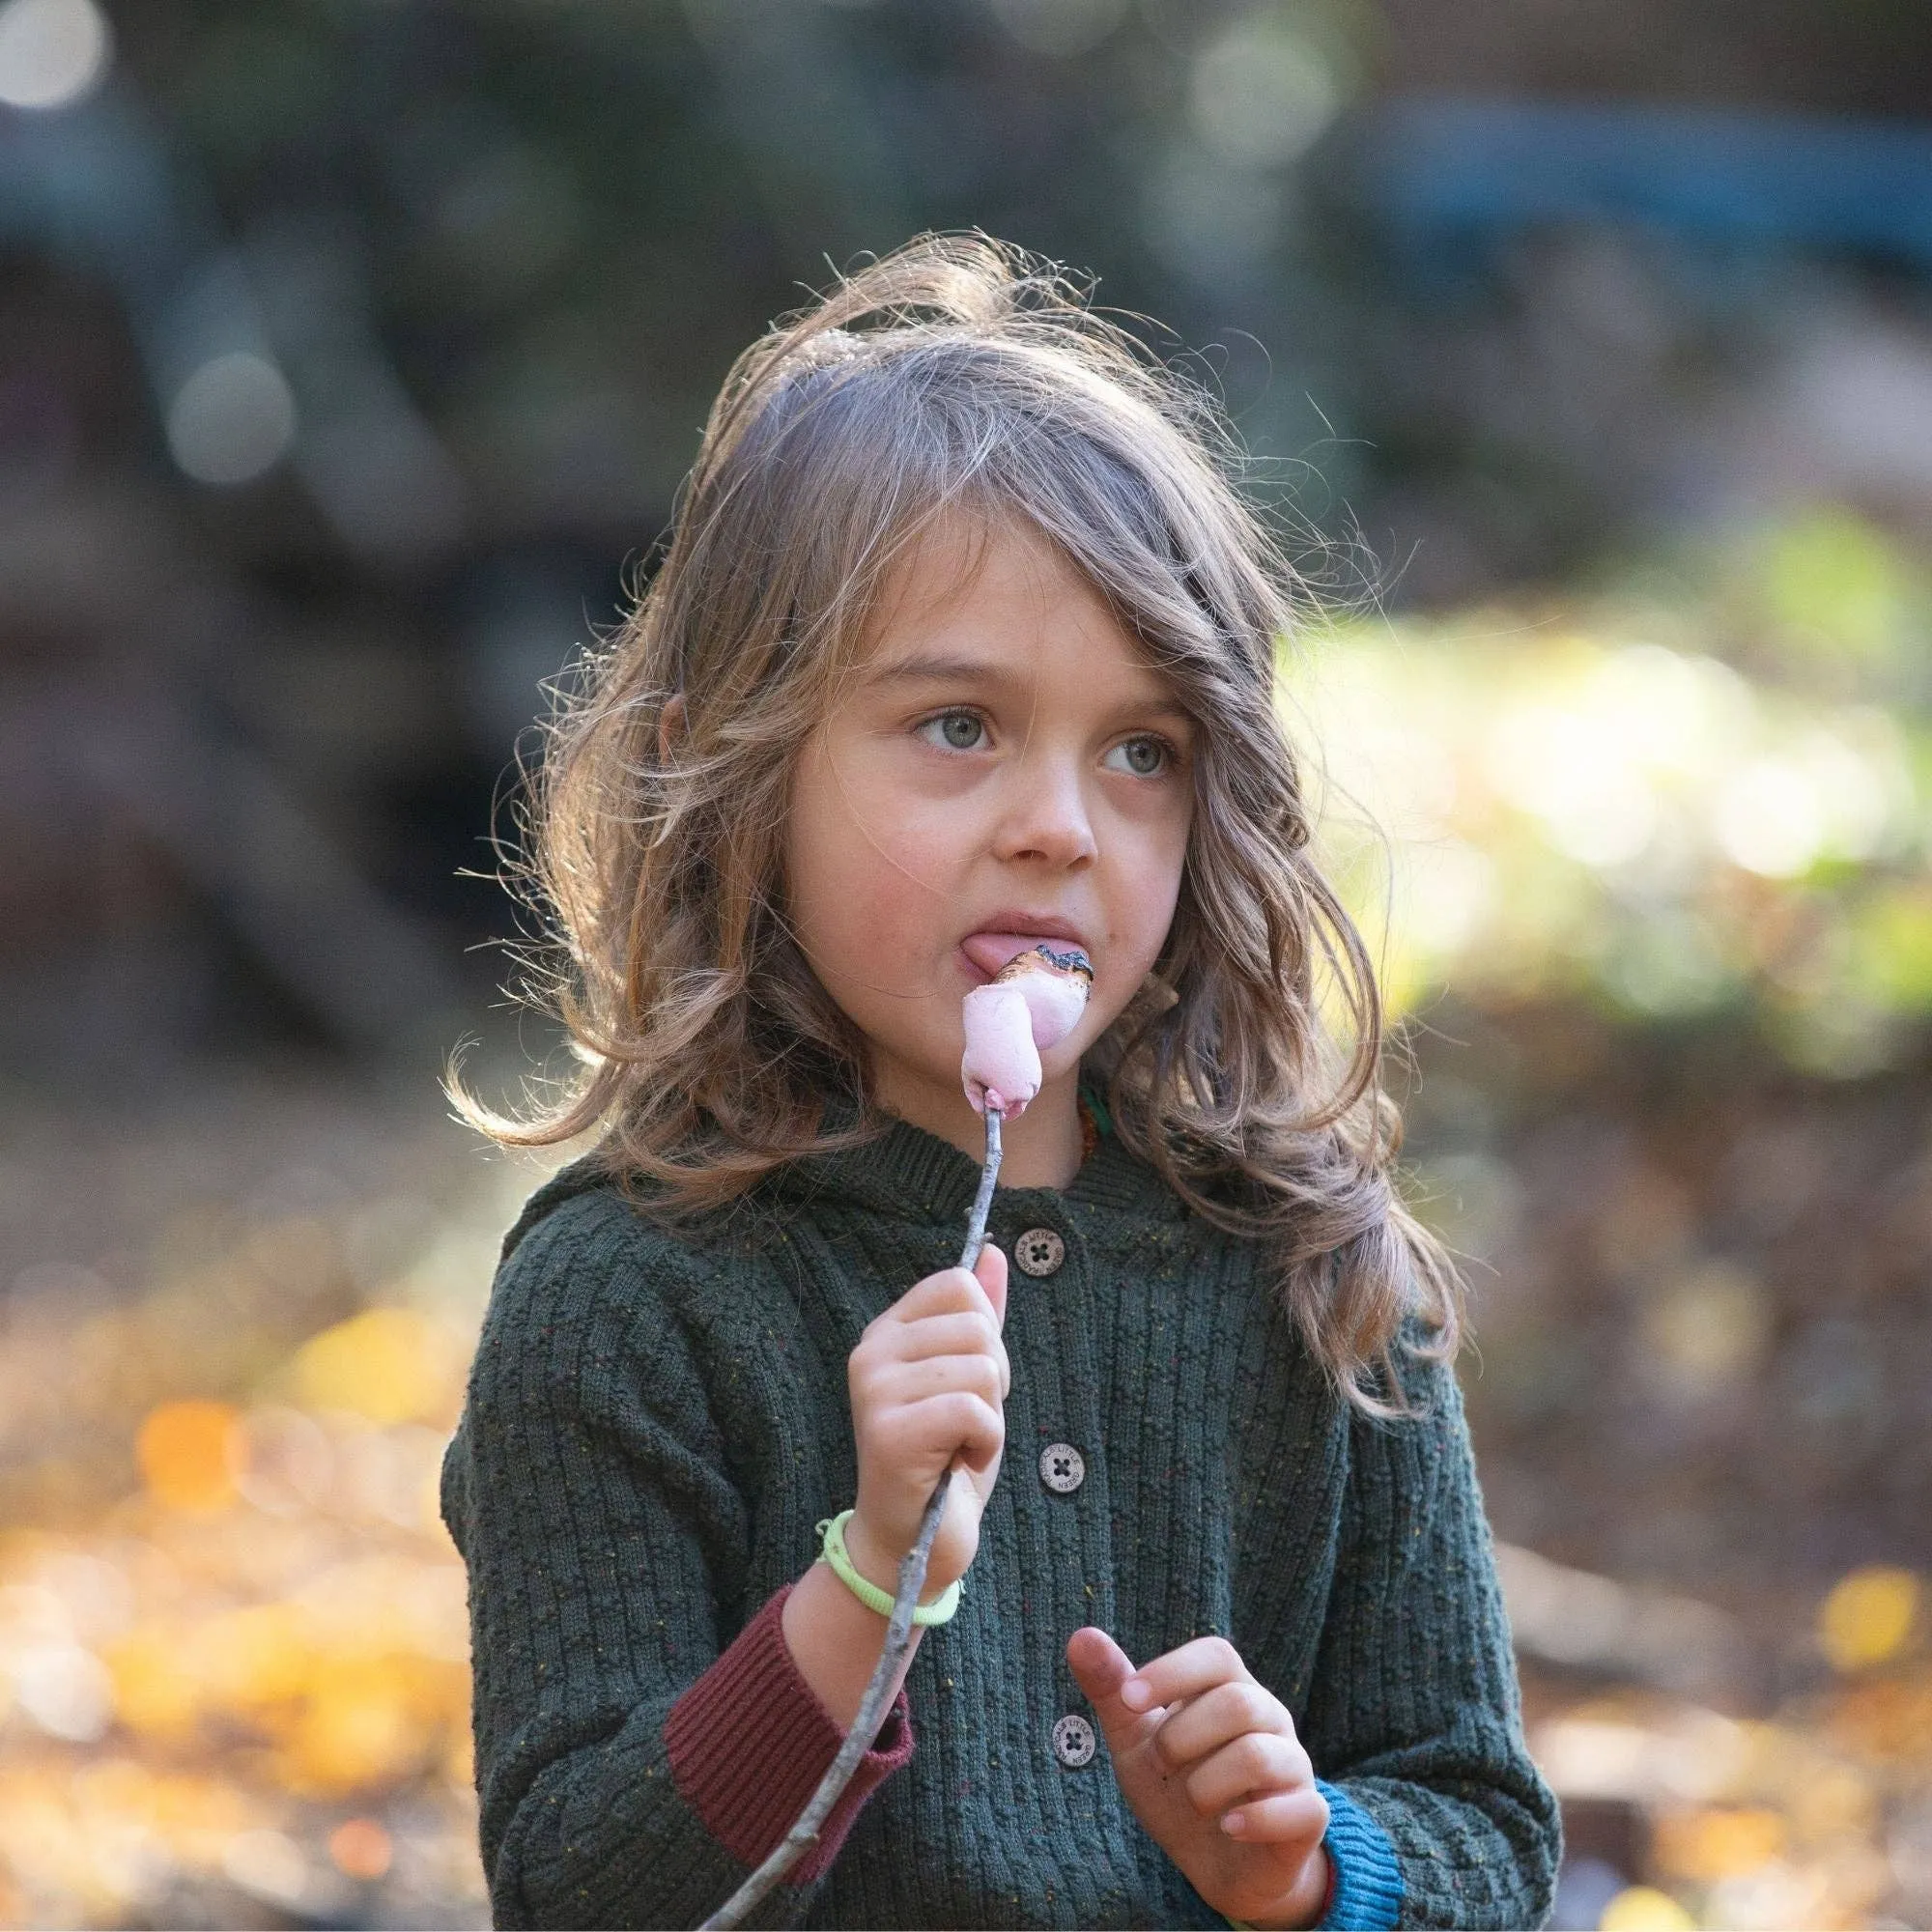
{"x": 1033, "y": 1003}
{"x": 994, "y": 952}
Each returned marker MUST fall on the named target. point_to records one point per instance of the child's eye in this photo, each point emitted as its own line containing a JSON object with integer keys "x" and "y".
{"x": 957, "y": 730}
{"x": 1143, "y": 757}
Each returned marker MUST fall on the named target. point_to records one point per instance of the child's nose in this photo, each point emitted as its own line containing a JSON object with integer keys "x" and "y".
{"x": 1047, "y": 816}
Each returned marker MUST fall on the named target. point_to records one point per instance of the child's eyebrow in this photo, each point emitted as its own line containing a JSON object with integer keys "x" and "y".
{"x": 973, "y": 670}
{"x": 939, "y": 670}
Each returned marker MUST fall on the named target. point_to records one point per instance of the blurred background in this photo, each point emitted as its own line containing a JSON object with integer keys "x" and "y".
{"x": 351, "y": 351}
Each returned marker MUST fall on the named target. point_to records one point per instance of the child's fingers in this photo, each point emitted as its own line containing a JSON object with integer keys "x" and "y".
{"x": 1100, "y": 1666}
{"x": 1220, "y": 1716}
{"x": 990, "y": 1271}
{"x": 936, "y": 1427}
{"x": 907, "y": 1382}
{"x": 1099, "y": 1661}
{"x": 1260, "y": 1763}
{"x": 966, "y": 1331}
{"x": 966, "y": 1334}
{"x": 1185, "y": 1672}
{"x": 950, "y": 1291}
{"x": 1299, "y": 1817}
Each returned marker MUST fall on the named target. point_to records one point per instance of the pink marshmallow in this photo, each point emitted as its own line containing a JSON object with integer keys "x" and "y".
{"x": 1033, "y": 1003}
{"x": 1000, "y": 1065}
{"x": 1055, "y": 1002}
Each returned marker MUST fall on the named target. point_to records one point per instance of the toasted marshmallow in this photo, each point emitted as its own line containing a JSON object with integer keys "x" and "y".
{"x": 1033, "y": 1004}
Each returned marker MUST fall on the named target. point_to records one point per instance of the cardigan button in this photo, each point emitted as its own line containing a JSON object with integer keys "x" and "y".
{"x": 1062, "y": 1467}
{"x": 1040, "y": 1252}
{"x": 1074, "y": 1742}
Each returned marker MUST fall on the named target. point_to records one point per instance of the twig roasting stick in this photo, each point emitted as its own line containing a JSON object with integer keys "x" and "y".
{"x": 1032, "y": 1002}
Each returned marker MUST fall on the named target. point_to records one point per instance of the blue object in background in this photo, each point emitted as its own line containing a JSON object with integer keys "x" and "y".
{"x": 1451, "y": 177}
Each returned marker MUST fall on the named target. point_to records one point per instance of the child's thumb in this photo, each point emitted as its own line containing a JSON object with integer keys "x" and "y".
{"x": 992, "y": 1272}
{"x": 1100, "y": 1666}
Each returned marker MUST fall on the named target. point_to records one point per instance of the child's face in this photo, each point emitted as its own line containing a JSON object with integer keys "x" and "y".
{"x": 1003, "y": 760}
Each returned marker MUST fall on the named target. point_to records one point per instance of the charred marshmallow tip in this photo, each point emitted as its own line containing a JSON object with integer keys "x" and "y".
{"x": 1058, "y": 958}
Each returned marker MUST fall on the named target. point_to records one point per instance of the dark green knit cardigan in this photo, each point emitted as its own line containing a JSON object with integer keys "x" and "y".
{"x": 655, "y": 1423}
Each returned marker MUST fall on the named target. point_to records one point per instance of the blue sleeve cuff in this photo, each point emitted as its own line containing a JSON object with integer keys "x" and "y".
{"x": 1368, "y": 1881}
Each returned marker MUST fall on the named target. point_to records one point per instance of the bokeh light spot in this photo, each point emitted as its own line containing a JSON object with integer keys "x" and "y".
{"x": 1642, "y": 1908}
{"x": 1867, "y": 1617}
{"x": 1720, "y": 1842}
{"x": 382, "y": 1365}
{"x": 232, "y": 420}
{"x": 52, "y": 52}
{"x": 1770, "y": 820}
{"x": 188, "y": 1453}
{"x": 359, "y": 1728}
{"x": 1262, "y": 93}
{"x": 361, "y": 1848}
{"x": 269, "y": 1865}
{"x": 1706, "y": 1330}
{"x": 65, "y": 1689}
{"x": 1892, "y": 947}
{"x": 1836, "y": 587}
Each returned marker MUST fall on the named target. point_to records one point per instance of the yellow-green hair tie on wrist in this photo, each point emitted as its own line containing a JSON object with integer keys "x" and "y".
{"x": 833, "y": 1530}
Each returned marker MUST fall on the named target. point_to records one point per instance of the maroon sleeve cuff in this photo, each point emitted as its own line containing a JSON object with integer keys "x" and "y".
{"x": 749, "y": 1740}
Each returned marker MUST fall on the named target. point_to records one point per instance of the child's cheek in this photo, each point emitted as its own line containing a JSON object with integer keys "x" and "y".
{"x": 906, "y": 903}
{"x": 872, "y": 878}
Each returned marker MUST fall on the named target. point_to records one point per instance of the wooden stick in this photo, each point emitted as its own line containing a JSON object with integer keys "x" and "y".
{"x": 983, "y": 1202}
{"x": 871, "y": 1714}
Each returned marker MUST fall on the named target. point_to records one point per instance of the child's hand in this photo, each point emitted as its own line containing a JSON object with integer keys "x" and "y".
{"x": 929, "y": 1381}
{"x": 1209, "y": 1744}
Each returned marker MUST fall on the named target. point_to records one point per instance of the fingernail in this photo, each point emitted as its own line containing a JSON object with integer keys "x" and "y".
{"x": 1135, "y": 1694}
{"x": 1234, "y": 1823}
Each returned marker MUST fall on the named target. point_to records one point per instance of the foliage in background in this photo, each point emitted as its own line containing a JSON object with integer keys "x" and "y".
{"x": 1701, "y": 796}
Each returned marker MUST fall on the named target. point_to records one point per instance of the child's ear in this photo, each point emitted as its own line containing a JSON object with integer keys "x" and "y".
{"x": 671, "y": 724}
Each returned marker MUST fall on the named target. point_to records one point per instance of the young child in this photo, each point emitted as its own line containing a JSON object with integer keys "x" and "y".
{"x": 965, "y": 638}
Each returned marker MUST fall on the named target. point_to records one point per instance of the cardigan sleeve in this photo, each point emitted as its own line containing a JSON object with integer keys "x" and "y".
{"x": 632, "y": 1766}
{"x": 1437, "y": 1814}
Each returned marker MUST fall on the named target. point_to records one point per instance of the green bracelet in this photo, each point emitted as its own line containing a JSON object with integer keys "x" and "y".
{"x": 833, "y": 1529}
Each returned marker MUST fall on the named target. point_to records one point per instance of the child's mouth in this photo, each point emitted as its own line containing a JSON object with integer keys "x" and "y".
{"x": 991, "y": 952}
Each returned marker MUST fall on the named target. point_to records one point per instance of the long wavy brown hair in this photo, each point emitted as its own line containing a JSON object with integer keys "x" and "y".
{"x": 961, "y": 377}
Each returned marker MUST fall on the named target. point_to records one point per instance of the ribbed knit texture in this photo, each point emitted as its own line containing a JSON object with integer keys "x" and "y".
{"x": 656, "y": 1422}
{"x": 750, "y": 1796}
{"x": 1368, "y": 1889}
